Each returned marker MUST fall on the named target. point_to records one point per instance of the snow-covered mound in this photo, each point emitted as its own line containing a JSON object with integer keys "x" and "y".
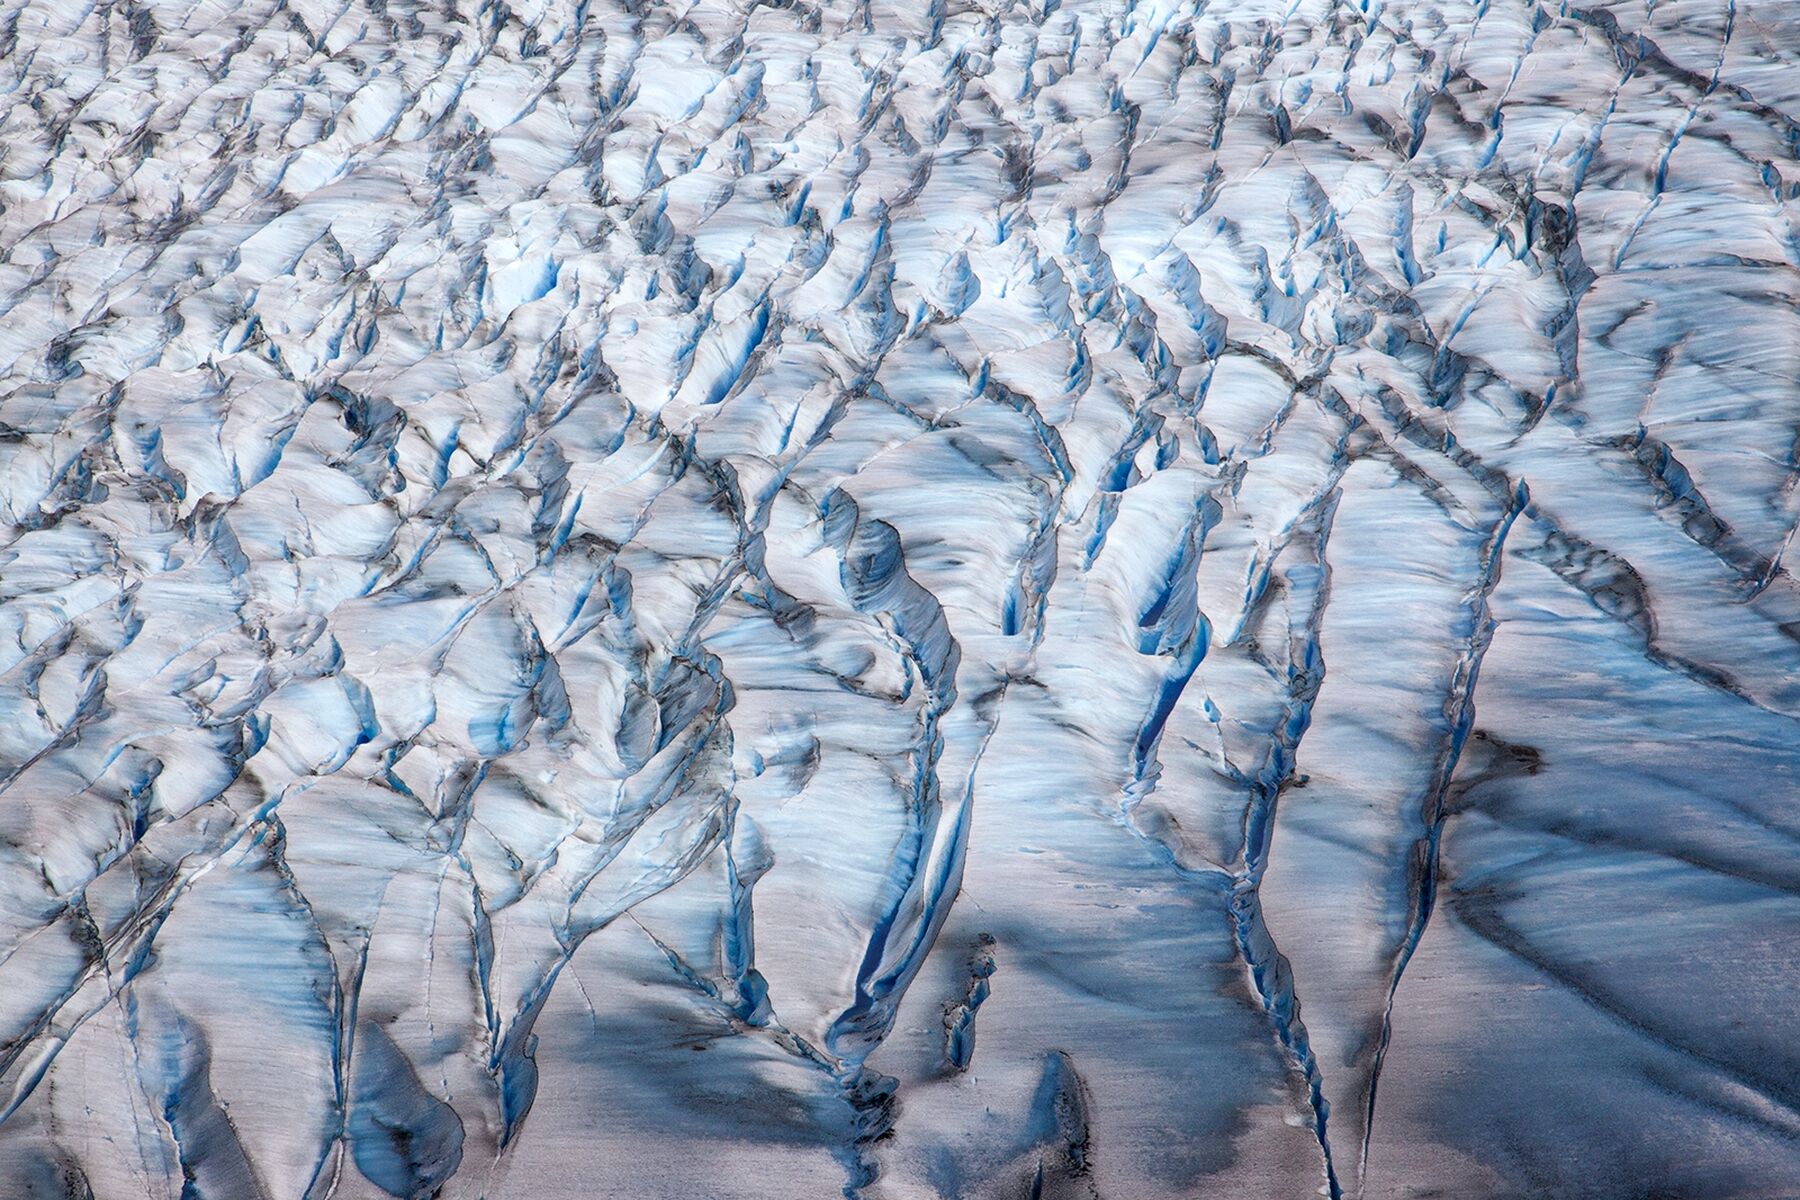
{"x": 901, "y": 598}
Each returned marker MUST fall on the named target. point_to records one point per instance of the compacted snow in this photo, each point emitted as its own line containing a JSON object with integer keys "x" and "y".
{"x": 919, "y": 599}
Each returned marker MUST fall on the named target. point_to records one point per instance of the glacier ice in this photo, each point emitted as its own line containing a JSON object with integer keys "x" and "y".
{"x": 955, "y": 599}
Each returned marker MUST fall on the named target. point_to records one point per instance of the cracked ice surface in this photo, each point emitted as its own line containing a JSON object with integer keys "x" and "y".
{"x": 923, "y": 599}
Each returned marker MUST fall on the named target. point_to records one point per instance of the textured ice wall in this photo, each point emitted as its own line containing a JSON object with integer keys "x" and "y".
{"x": 920, "y": 599}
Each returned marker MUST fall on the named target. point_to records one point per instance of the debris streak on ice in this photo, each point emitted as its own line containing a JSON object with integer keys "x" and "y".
{"x": 899, "y": 598}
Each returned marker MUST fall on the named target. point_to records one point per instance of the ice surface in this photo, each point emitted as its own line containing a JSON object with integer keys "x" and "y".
{"x": 938, "y": 599}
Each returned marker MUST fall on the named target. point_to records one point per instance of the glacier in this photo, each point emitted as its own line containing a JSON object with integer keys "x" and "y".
{"x": 772, "y": 599}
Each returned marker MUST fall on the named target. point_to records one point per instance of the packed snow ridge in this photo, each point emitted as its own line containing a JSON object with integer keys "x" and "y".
{"x": 909, "y": 599}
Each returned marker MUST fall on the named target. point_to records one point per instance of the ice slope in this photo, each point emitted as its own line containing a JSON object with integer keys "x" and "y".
{"x": 909, "y": 600}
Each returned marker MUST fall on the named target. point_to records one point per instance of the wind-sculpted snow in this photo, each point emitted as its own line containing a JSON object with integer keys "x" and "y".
{"x": 938, "y": 599}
